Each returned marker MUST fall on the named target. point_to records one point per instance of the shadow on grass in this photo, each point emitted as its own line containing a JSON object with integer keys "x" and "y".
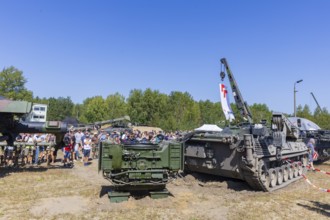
{"x": 320, "y": 208}
{"x": 6, "y": 171}
{"x": 105, "y": 189}
{"x": 234, "y": 184}
{"x": 137, "y": 195}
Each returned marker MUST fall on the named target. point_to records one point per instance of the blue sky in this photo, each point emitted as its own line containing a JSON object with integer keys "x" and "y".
{"x": 83, "y": 49}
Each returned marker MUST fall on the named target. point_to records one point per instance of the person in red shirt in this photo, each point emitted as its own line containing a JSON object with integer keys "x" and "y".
{"x": 67, "y": 149}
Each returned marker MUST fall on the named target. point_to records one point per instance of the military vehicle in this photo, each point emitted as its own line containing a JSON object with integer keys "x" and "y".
{"x": 322, "y": 146}
{"x": 118, "y": 124}
{"x": 12, "y": 114}
{"x": 322, "y": 137}
{"x": 309, "y": 129}
{"x": 139, "y": 167}
{"x": 266, "y": 157}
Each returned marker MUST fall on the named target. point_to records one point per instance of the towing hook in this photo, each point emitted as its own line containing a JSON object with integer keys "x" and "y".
{"x": 222, "y": 75}
{"x": 278, "y": 154}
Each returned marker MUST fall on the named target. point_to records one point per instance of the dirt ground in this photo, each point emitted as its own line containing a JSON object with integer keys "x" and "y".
{"x": 55, "y": 192}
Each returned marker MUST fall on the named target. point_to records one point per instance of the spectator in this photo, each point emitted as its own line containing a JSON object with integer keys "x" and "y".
{"x": 28, "y": 151}
{"x": 67, "y": 149}
{"x": 53, "y": 150}
{"x": 311, "y": 149}
{"x": 2, "y": 156}
{"x": 102, "y": 136}
{"x": 9, "y": 152}
{"x": 78, "y": 137}
{"x": 94, "y": 146}
{"x": 87, "y": 149}
{"x": 42, "y": 138}
{"x": 73, "y": 143}
{"x": 36, "y": 140}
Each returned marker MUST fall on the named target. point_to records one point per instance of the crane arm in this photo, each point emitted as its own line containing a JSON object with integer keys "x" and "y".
{"x": 240, "y": 103}
{"x": 317, "y": 103}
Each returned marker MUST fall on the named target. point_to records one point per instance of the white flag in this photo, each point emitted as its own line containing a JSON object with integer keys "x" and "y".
{"x": 225, "y": 103}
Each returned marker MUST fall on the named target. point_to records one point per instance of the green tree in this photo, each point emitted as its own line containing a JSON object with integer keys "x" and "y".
{"x": 12, "y": 85}
{"x": 78, "y": 112}
{"x": 155, "y": 106}
{"x": 95, "y": 109}
{"x": 322, "y": 119}
{"x": 304, "y": 112}
{"x": 135, "y": 107}
{"x": 260, "y": 112}
{"x": 59, "y": 108}
{"x": 237, "y": 114}
{"x": 116, "y": 106}
{"x": 211, "y": 113}
{"x": 185, "y": 112}
{"x": 40, "y": 100}
{"x": 148, "y": 107}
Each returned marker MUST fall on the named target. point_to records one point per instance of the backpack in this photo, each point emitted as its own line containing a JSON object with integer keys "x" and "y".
{"x": 66, "y": 140}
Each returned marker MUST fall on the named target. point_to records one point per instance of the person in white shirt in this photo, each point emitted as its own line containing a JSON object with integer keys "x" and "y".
{"x": 87, "y": 149}
{"x": 78, "y": 135}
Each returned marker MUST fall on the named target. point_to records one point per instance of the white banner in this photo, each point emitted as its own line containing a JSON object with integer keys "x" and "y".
{"x": 225, "y": 103}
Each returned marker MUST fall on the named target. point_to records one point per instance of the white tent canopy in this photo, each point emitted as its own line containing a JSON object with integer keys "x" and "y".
{"x": 208, "y": 127}
{"x": 306, "y": 125}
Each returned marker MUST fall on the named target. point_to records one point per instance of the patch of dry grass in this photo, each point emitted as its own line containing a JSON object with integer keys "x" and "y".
{"x": 296, "y": 201}
{"x": 24, "y": 189}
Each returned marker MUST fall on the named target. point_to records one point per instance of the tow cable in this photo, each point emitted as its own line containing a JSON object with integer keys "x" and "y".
{"x": 318, "y": 170}
{"x": 310, "y": 183}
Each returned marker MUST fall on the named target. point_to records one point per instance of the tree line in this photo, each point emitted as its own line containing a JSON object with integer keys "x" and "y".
{"x": 174, "y": 111}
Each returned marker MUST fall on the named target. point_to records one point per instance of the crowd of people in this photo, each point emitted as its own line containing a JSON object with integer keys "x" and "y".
{"x": 29, "y": 149}
{"x": 79, "y": 145}
{"x": 83, "y": 146}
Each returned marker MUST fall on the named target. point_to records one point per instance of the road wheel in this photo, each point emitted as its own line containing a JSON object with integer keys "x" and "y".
{"x": 272, "y": 177}
{"x": 263, "y": 173}
{"x": 279, "y": 175}
{"x": 285, "y": 173}
{"x": 300, "y": 169}
{"x": 290, "y": 171}
{"x": 295, "y": 170}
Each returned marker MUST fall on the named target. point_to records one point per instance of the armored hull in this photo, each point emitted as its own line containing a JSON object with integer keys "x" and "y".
{"x": 322, "y": 138}
{"x": 136, "y": 167}
{"x": 247, "y": 153}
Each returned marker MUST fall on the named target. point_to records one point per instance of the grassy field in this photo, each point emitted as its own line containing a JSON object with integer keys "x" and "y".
{"x": 55, "y": 192}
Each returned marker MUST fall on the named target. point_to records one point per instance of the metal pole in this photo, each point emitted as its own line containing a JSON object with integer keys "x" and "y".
{"x": 294, "y": 96}
{"x": 294, "y": 100}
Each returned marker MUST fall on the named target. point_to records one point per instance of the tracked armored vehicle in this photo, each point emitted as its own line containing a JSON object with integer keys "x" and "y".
{"x": 12, "y": 114}
{"x": 309, "y": 129}
{"x": 266, "y": 157}
{"x": 118, "y": 124}
{"x": 139, "y": 167}
{"x": 322, "y": 138}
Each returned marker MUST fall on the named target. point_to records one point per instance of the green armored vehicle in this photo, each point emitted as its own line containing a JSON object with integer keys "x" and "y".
{"x": 267, "y": 158}
{"x": 118, "y": 124}
{"x": 12, "y": 114}
{"x": 139, "y": 167}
